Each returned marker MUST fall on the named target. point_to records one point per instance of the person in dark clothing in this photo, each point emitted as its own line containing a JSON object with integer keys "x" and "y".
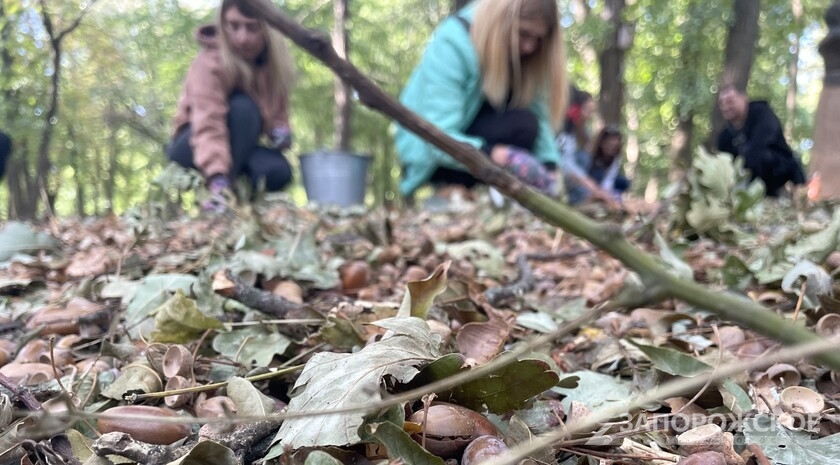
{"x": 5, "y": 150}
{"x": 754, "y": 132}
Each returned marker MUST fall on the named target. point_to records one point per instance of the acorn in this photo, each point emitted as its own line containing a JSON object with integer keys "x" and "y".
{"x": 354, "y": 276}
{"x": 483, "y": 448}
{"x": 7, "y": 351}
{"x": 449, "y": 428}
{"x": 57, "y": 319}
{"x": 124, "y": 419}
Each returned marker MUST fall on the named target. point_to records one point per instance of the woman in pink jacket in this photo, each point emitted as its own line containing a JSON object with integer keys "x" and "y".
{"x": 235, "y": 92}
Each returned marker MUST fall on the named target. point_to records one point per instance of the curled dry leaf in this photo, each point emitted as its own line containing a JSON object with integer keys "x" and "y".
{"x": 481, "y": 342}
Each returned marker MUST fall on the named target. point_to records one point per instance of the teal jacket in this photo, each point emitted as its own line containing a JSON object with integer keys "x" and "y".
{"x": 445, "y": 89}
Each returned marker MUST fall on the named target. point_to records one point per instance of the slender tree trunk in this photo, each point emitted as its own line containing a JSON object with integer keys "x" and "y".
{"x": 18, "y": 173}
{"x": 825, "y": 162}
{"x": 341, "y": 118}
{"x": 738, "y": 56}
{"x": 793, "y": 69}
{"x": 612, "y": 62}
{"x": 44, "y": 164}
{"x": 76, "y": 162}
{"x": 681, "y": 146}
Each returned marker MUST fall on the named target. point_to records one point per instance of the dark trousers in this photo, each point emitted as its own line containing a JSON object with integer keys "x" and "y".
{"x": 516, "y": 127}
{"x": 248, "y": 157}
{"x": 775, "y": 169}
{"x": 5, "y": 150}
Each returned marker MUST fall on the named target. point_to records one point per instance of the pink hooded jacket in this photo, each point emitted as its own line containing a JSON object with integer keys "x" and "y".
{"x": 203, "y": 105}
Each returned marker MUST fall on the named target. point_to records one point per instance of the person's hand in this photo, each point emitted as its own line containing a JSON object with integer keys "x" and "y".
{"x": 608, "y": 198}
{"x": 499, "y": 154}
{"x": 281, "y": 137}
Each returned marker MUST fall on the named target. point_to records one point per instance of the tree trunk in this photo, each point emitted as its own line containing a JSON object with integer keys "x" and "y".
{"x": 44, "y": 164}
{"x": 612, "y": 62}
{"x": 18, "y": 173}
{"x": 793, "y": 68}
{"x": 76, "y": 162}
{"x": 341, "y": 118}
{"x": 738, "y": 57}
{"x": 825, "y": 163}
{"x": 681, "y": 146}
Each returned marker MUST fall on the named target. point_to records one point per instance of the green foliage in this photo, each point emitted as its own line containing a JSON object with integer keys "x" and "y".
{"x": 717, "y": 200}
{"x": 123, "y": 66}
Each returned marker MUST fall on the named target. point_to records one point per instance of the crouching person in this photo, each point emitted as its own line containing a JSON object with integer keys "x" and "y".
{"x": 236, "y": 93}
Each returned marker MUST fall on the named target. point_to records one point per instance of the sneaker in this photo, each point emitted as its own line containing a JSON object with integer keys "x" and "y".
{"x": 219, "y": 200}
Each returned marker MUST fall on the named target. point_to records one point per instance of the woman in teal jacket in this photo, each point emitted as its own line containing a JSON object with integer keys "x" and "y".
{"x": 491, "y": 76}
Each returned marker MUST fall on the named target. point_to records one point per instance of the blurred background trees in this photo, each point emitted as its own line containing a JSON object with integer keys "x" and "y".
{"x": 89, "y": 88}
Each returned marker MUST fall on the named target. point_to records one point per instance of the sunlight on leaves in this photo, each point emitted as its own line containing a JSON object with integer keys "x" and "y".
{"x": 253, "y": 345}
{"x": 333, "y": 381}
{"x": 179, "y": 320}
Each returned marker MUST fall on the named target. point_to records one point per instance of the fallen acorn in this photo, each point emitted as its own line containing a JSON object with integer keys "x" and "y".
{"x": 354, "y": 276}
{"x": 449, "y": 428}
{"x": 125, "y": 419}
{"x": 483, "y": 448}
{"x": 57, "y": 319}
{"x": 7, "y": 351}
{"x": 29, "y": 373}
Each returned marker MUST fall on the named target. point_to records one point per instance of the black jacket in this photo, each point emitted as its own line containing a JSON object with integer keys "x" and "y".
{"x": 762, "y": 144}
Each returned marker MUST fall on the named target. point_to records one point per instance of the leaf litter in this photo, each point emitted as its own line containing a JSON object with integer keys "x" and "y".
{"x": 93, "y": 308}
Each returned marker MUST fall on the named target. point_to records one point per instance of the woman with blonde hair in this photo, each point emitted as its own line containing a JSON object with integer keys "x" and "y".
{"x": 491, "y": 76}
{"x": 236, "y": 92}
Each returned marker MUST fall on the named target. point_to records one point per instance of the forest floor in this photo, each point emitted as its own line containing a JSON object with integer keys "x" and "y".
{"x": 268, "y": 316}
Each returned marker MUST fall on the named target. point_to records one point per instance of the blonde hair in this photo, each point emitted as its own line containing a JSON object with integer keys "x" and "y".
{"x": 278, "y": 60}
{"x": 495, "y": 34}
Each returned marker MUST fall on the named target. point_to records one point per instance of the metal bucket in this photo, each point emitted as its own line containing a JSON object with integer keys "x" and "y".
{"x": 334, "y": 177}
